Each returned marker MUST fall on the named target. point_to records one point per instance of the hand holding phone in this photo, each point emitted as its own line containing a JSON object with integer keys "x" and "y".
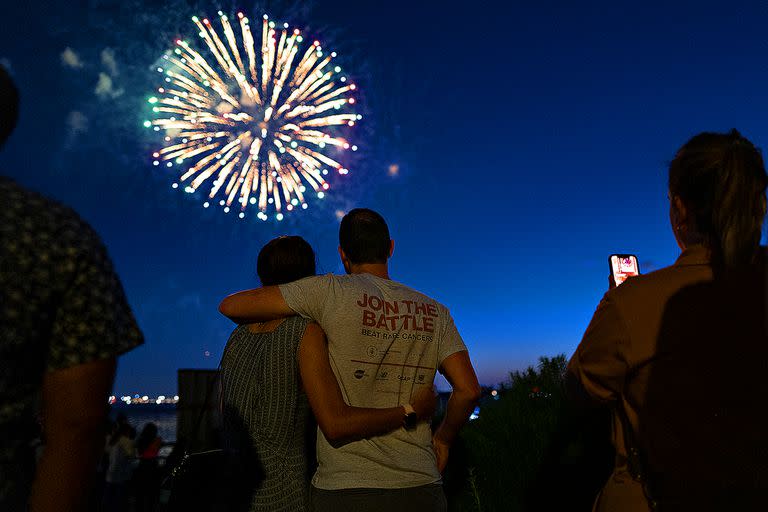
{"x": 622, "y": 266}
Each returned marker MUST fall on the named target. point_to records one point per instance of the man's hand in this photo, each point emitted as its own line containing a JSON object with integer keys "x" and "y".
{"x": 424, "y": 402}
{"x": 441, "y": 449}
{"x": 457, "y": 368}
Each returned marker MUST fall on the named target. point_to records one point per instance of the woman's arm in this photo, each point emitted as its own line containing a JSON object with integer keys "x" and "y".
{"x": 598, "y": 368}
{"x": 340, "y": 422}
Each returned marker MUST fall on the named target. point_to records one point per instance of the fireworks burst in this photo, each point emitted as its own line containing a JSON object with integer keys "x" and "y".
{"x": 260, "y": 122}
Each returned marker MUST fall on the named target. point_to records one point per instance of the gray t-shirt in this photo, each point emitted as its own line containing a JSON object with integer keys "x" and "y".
{"x": 385, "y": 341}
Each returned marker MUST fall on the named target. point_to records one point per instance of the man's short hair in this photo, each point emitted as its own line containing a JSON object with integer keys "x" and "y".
{"x": 9, "y": 105}
{"x": 364, "y": 237}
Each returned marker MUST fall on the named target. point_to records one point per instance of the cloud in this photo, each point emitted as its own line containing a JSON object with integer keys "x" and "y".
{"x": 105, "y": 88}
{"x": 70, "y": 59}
{"x": 108, "y": 61}
{"x": 77, "y": 124}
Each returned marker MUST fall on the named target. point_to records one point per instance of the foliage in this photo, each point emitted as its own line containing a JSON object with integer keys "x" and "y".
{"x": 514, "y": 455}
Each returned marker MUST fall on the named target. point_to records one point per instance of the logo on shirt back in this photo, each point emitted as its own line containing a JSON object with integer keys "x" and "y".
{"x": 394, "y": 316}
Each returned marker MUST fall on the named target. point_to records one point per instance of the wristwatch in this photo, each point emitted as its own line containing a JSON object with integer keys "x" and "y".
{"x": 410, "y": 419}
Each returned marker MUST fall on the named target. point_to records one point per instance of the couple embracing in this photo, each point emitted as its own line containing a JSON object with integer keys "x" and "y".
{"x": 359, "y": 352}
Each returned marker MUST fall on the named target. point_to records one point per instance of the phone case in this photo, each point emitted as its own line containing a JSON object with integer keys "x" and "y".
{"x": 610, "y": 266}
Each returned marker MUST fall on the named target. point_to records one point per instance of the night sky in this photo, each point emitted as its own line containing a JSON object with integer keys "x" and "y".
{"x": 531, "y": 141}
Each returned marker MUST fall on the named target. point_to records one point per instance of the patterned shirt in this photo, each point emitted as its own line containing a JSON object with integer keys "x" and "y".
{"x": 61, "y": 305}
{"x": 267, "y": 419}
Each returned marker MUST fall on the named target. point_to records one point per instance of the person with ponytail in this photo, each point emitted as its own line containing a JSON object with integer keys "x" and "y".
{"x": 680, "y": 355}
{"x": 717, "y": 187}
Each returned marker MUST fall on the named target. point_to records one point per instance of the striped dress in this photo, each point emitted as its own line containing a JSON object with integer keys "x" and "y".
{"x": 267, "y": 419}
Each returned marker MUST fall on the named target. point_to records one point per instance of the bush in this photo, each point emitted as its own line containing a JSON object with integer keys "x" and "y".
{"x": 527, "y": 450}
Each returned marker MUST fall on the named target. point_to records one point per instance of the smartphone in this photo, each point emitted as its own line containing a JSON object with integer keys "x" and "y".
{"x": 623, "y": 266}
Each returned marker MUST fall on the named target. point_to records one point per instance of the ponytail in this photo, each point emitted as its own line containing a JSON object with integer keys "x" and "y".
{"x": 721, "y": 179}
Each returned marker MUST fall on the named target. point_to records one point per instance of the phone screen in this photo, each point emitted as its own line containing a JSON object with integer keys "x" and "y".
{"x": 623, "y": 266}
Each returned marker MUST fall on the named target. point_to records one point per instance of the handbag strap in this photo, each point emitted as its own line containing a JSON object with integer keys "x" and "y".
{"x": 179, "y": 467}
{"x": 635, "y": 460}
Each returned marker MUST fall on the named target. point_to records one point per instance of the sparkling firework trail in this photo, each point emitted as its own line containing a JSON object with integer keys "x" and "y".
{"x": 255, "y": 121}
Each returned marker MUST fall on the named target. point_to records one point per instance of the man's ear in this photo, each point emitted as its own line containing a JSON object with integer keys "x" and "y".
{"x": 344, "y": 261}
{"x": 391, "y": 248}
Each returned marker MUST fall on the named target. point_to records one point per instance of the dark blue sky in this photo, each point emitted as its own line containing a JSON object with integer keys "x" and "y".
{"x": 532, "y": 140}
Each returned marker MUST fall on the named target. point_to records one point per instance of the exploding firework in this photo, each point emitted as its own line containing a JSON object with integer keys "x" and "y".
{"x": 262, "y": 124}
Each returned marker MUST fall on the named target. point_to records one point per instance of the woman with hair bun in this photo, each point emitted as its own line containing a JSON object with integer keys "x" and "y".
{"x": 681, "y": 354}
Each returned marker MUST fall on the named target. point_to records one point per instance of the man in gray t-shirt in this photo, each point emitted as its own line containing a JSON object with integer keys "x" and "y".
{"x": 385, "y": 341}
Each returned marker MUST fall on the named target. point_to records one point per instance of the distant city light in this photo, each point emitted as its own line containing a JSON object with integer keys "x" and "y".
{"x": 144, "y": 399}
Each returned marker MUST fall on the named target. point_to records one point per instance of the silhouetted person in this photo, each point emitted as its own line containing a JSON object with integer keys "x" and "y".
{"x": 122, "y": 458}
{"x": 63, "y": 320}
{"x": 682, "y": 353}
{"x": 146, "y": 476}
{"x": 148, "y": 443}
